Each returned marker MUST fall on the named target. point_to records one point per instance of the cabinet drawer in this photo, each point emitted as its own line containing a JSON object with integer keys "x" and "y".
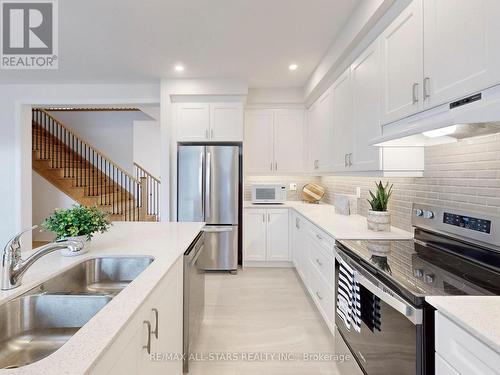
{"x": 463, "y": 351}
{"x": 324, "y": 239}
{"x": 322, "y": 294}
{"x": 322, "y": 261}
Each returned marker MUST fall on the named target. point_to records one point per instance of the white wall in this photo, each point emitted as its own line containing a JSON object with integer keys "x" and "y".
{"x": 275, "y": 97}
{"x": 147, "y": 143}
{"x": 46, "y": 198}
{"x": 15, "y": 136}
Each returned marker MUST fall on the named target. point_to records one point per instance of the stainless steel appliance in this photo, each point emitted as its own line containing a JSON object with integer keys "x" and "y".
{"x": 268, "y": 193}
{"x": 209, "y": 190}
{"x": 453, "y": 253}
{"x": 194, "y": 296}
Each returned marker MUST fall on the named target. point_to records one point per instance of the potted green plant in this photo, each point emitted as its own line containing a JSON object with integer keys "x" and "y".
{"x": 77, "y": 223}
{"x": 378, "y": 218}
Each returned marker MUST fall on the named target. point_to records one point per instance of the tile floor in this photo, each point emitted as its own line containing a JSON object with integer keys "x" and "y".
{"x": 261, "y": 310}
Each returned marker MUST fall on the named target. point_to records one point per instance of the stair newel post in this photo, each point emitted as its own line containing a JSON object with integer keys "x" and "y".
{"x": 143, "y": 205}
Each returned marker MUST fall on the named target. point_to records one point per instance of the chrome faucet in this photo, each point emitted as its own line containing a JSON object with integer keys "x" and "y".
{"x": 14, "y": 267}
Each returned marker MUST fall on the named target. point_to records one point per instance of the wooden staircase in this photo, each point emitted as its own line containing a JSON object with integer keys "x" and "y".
{"x": 89, "y": 177}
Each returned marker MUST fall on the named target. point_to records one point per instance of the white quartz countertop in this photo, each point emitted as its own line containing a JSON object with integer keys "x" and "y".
{"x": 166, "y": 242}
{"x": 476, "y": 314}
{"x": 340, "y": 227}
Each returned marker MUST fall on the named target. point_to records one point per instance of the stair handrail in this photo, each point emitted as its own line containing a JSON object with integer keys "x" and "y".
{"x": 144, "y": 170}
{"x": 79, "y": 137}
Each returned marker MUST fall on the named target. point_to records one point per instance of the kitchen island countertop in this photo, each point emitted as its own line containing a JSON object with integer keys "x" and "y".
{"x": 166, "y": 242}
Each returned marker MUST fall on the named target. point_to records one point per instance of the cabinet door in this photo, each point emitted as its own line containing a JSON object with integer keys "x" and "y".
{"x": 258, "y": 146}
{"x": 193, "y": 122}
{"x": 461, "y": 54}
{"x": 320, "y": 133}
{"x": 255, "y": 234}
{"x": 402, "y": 64}
{"x": 299, "y": 248}
{"x": 342, "y": 121}
{"x": 289, "y": 141}
{"x": 365, "y": 78}
{"x": 226, "y": 122}
{"x": 277, "y": 235}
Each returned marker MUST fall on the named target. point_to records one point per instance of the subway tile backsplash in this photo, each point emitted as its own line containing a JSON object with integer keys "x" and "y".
{"x": 464, "y": 175}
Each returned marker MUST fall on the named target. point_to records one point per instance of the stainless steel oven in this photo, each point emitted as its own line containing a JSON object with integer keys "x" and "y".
{"x": 391, "y": 347}
{"x": 194, "y": 296}
{"x": 453, "y": 253}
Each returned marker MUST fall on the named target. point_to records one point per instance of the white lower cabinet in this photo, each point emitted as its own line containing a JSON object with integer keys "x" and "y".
{"x": 459, "y": 352}
{"x": 314, "y": 259}
{"x": 266, "y": 235}
{"x": 162, "y": 312}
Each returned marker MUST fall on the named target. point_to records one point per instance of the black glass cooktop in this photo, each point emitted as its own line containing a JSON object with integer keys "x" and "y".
{"x": 438, "y": 266}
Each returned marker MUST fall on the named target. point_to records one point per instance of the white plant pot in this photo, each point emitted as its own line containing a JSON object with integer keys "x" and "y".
{"x": 84, "y": 250}
{"x": 379, "y": 221}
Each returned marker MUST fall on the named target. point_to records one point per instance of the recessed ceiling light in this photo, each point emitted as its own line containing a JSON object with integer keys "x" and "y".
{"x": 179, "y": 68}
{"x": 293, "y": 66}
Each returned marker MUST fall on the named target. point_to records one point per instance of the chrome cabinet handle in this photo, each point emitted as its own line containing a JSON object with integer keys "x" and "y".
{"x": 206, "y": 133}
{"x": 319, "y": 263}
{"x": 268, "y": 217}
{"x": 276, "y": 166}
{"x": 319, "y": 237}
{"x": 263, "y": 218}
{"x": 148, "y": 343}
{"x": 350, "y": 160}
{"x": 345, "y": 160}
{"x": 316, "y": 164}
{"x": 271, "y": 166}
{"x": 211, "y": 133}
{"x": 155, "y": 332}
{"x": 297, "y": 223}
{"x": 319, "y": 295}
{"x": 414, "y": 93}
{"x": 427, "y": 93}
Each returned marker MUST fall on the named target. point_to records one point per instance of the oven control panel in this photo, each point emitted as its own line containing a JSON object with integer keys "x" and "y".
{"x": 467, "y": 222}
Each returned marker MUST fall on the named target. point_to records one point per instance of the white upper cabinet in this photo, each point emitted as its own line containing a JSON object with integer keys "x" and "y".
{"x": 320, "y": 134}
{"x": 289, "y": 141}
{"x": 226, "y": 122}
{"x": 461, "y": 48}
{"x": 366, "y": 126}
{"x": 258, "y": 145}
{"x": 402, "y": 64}
{"x": 274, "y": 141}
{"x": 193, "y": 122}
{"x": 342, "y": 121}
{"x": 209, "y": 122}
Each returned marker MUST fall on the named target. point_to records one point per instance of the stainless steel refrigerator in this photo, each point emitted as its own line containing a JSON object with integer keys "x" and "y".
{"x": 208, "y": 190}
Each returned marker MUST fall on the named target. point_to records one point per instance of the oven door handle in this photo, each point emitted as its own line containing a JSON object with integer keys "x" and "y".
{"x": 410, "y": 312}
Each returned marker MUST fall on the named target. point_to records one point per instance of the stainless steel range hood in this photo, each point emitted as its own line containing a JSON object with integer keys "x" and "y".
{"x": 472, "y": 116}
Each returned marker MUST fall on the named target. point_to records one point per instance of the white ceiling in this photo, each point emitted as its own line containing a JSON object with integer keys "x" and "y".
{"x": 141, "y": 40}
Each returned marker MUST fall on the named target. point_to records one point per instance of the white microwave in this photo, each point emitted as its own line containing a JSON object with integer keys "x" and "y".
{"x": 268, "y": 193}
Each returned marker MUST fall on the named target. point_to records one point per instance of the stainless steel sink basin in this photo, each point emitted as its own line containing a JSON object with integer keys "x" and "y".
{"x": 108, "y": 275}
{"x": 41, "y": 320}
{"x": 32, "y": 327}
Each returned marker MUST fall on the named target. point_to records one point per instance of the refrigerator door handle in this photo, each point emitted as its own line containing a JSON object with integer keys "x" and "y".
{"x": 208, "y": 187}
{"x": 200, "y": 171}
{"x": 217, "y": 229}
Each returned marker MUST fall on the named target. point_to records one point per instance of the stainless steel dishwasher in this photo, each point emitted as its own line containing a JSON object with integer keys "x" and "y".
{"x": 194, "y": 296}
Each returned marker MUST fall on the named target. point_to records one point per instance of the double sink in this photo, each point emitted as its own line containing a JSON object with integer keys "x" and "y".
{"x": 40, "y": 321}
